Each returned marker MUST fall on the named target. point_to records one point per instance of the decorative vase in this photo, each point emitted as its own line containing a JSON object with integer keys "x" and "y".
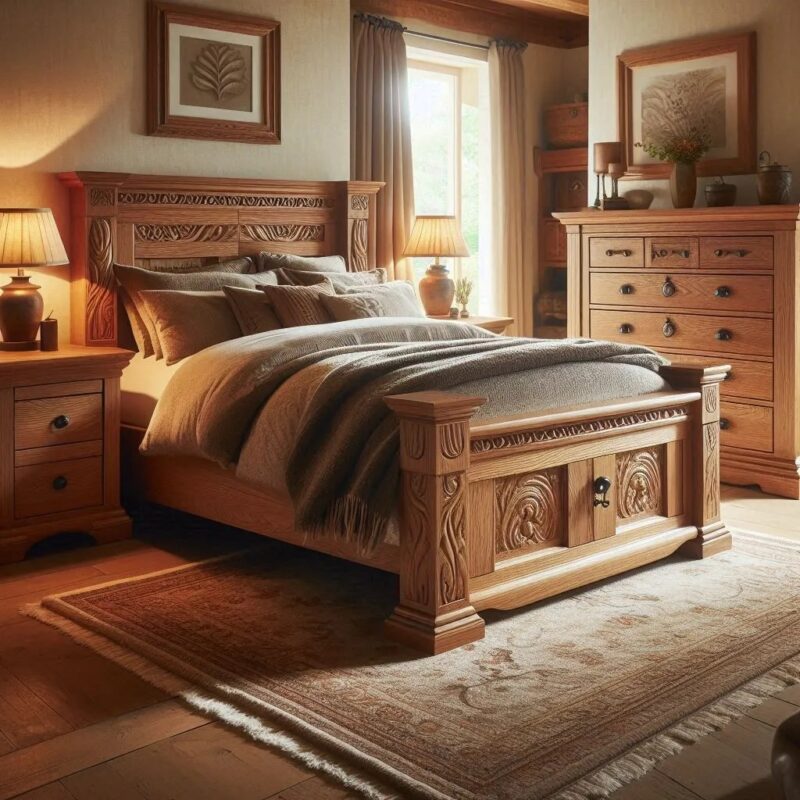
{"x": 683, "y": 184}
{"x": 436, "y": 290}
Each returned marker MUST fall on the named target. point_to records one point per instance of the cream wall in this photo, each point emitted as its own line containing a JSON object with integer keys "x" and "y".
{"x": 72, "y": 96}
{"x": 617, "y": 25}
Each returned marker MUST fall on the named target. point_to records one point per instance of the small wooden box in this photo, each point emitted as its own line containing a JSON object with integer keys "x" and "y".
{"x": 567, "y": 125}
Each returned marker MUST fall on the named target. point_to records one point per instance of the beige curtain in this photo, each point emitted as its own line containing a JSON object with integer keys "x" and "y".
{"x": 513, "y": 282}
{"x": 380, "y": 132}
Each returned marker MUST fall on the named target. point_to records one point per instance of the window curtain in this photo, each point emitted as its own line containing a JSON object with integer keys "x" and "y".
{"x": 513, "y": 289}
{"x": 380, "y": 133}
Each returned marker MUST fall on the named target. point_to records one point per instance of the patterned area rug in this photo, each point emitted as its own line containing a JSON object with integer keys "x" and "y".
{"x": 571, "y": 698}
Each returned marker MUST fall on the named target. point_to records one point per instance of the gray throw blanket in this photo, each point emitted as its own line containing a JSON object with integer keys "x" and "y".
{"x": 343, "y": 470}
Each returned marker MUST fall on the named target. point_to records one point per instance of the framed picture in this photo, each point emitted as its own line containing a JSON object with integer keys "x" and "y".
{"x": 709, "y": 84}
{"x": 212, "y": 75}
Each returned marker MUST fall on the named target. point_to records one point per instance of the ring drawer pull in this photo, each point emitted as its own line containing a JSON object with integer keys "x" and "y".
{"x": 601, "y": 487}
{"x": 669, "y": 328}
{"x": 625, "y": 253}
{"x": 738, "y": 253}
{"x": 61, "y": 422}
{"x": 625, "y": 328}
{"x": 60, "y": 483}
{"x": 723, "y": 291}
{"x": 724, "y": 424}
{"x": 669, "y": 288}
{"x": 573, "y": 112}
{"x": 663, "y": 253}
{"x": 723, "y": 335}
{"x": 626, "y": 288}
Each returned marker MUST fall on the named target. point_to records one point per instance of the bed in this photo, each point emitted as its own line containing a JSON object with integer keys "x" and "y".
{"x": 496, "y": 507}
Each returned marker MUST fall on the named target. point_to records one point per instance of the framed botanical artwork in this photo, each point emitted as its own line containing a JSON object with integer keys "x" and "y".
{"x": 693, "y": 88}
{"x": 212, "y": 75}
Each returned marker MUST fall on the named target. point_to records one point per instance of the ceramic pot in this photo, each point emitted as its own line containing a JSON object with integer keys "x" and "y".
{"x": 683, "y": 184}
{"x": 436, "y": 290}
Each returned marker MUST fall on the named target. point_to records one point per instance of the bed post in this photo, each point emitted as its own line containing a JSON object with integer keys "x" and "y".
{"x": 434, "y": 613}
{"x": 712, "y": 534}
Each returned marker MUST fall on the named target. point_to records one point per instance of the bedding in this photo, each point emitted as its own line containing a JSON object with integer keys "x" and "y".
{"x": 394, "y": 299}
{"x": 273, "y": 261}
{"x": 299, "y": 305}
{"x": 341, "y": 283}
{"x": 303, "y": 407}
{"x": 252, "y": 310}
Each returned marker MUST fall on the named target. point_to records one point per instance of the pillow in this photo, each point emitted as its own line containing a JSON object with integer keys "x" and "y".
{"x": 341, "y": 282}
{"x": 269, "y": 261}
{"x": 134, "y": 280}
{"x": 393, "y": 299}
{"x": 252, "y": 310}
{"x": 299, "y": 305}
{"x": 188, "y": 322}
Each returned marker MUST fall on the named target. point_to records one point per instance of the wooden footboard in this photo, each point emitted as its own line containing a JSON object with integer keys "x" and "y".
{"x": 502, "y": 513}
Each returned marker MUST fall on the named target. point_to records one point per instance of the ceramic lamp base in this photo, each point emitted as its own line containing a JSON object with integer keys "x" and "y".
{"x": 19, "y": 345}
{"x": 437, "y": 290}
{"x": 21, "y": 310}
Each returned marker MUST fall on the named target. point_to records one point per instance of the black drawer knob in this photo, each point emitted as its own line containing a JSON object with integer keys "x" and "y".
{"x": 669, "y": 328}
{"x": 60, "y": 483}
{"x": 61, "y": 422}
{"x": 625, "y": 328}
{"x": 668, "y": 288}
{"x": 626, "y": 288}
{"x": 723, "y": 291}
{"x": 724, "y": 424}
{"x": 601, "y": 487}
{"x": 723, "y": 335}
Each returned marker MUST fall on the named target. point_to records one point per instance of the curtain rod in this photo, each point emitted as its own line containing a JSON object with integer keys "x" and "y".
{"x": 446, "y": 39}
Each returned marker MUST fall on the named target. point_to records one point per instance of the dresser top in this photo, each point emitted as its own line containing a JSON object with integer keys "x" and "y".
{"x": 592, "y": 216}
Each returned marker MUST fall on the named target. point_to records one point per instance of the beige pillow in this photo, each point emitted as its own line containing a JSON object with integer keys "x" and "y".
{"x": 269, "y": 261}
{"x": 393, "y": 299}
{"x": 134, "y": 280}
{"x": 341, "y": 282}
{"x": 187, "y": 322}
{"x": 299, "y": 305}
{"x": 252, "y": 310}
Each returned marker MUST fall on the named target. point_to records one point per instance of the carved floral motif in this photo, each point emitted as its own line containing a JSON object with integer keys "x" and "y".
{"x": 452, "y": 440}
{"x": 529, "y": 509}
{"x": 711, "y": 471}
{"x": 417, "y": 585}
{"x": 452, "y": 555}
{"x": 359, "y": 248}
{"x": 185, "y": 233}
{"x": 639, "y": 489}
{"x": 283, "y": 233}
{"x": 101, "y": 197}
{"x": 247, "y": 200}
{"x": 100, "y": 302}
{"x": 359, "y": 202}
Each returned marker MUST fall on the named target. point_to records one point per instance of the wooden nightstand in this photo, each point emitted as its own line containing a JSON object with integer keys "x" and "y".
{"x": 493, "y": 324}
{"x": 59, "y": 446}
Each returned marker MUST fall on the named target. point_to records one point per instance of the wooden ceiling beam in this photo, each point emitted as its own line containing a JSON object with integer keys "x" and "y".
{"x": 561, "y": 8}
{"x": 486, "y": 18}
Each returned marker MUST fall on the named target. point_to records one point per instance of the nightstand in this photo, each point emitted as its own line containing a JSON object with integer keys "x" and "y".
{"x": 493, "y": 324}
{"x": 59, "y": 446}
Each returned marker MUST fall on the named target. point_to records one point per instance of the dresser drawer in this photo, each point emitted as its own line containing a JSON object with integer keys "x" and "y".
{"x": 736, "y": 252}
{"x": 747, "y": 427}
{"x": 57, "y": 420}
{"x": 747, "y": 379}
{"x": 616, "y": 252}
{"x": 684, "y": 331}
{"x": 58, "y": 486}
{"x": 671, "y": 251}
{"x": 702, "y": 292}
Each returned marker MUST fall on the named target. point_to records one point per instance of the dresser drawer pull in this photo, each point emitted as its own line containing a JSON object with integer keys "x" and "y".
{"x": 61, "y": 422}
{"x": 724, "y": 424}
{"x": 60, "y": 483}
{"x": 723, "y": 335}
{"x": 625, "y": 328}
{"x": 665, "y": 253}
{"x": 737, "y": 253}
{"x": 669, "y": 288}
{"x": 669, "y": 328}
{"x": 723, "y": 291}
{"x": 626, "y": 288}
{"x": 625, "y": 253}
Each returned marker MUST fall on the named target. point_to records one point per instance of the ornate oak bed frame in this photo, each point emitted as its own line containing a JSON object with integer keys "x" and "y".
{"x": 494, "y": 513}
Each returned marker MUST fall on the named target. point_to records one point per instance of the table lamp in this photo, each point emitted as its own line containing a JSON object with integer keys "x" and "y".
{"x": 438, "y": 237}
{"x": 605, "y": 153}
{"x": 28, "y": 237}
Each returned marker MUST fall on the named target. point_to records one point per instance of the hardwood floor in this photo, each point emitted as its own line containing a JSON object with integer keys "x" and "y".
{"x": 74, "y": 726}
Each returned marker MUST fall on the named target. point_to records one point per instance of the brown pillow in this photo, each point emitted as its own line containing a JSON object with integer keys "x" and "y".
{"x": 341, "y": 282}
{"x": 393, "y": 299}
{"x": 252, "y": 310}
{"x": 269, "y": 261}
{"x": 299, "y": 305}
{"x": 134, "y": 280}
{"x": 187, "y": 322}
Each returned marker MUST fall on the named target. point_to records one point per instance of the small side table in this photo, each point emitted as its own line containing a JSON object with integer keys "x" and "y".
{"x": 493, "y": 324}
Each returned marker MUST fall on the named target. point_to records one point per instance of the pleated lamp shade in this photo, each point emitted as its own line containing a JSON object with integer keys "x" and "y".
{"x": 29, "y": 238}
{"x": 437, "y": 236}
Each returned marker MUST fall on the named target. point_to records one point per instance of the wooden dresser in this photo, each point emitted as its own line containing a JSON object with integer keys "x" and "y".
{"x": 705, "y": 285}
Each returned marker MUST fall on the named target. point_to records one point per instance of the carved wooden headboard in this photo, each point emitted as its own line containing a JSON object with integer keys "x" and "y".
{"x": 127, "y": 218}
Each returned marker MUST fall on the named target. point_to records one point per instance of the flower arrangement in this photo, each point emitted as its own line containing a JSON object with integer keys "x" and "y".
{"x": 462, "y": 294}
{"x": 684, "y": 148}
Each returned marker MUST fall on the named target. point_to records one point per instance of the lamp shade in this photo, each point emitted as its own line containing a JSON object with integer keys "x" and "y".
{"x": 29, "y": 237}
{"x": 606, "y": 153}
{"x": 437, "y": 236}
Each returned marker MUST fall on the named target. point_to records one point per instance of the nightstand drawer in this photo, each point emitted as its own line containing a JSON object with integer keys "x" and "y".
{"x": 671, "y": 251}
{"x": 738, "y": 252}
{"x": 58, "y": 486}
{"x": 748, "y": 427}
{"x": 616, "y": 252}
{"x": 57, "y": 420}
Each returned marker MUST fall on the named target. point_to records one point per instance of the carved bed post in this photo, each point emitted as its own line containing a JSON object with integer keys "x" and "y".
{"x": 359, "y": 234}
{"x": 712, "y": 534}
{"x": 434, "y": 613}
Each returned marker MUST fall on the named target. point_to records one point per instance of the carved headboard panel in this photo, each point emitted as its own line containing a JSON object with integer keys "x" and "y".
{"x": 125, "y": 218}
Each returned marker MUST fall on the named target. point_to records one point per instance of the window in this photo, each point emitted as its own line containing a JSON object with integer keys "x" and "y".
{"x": 448, "y": 98}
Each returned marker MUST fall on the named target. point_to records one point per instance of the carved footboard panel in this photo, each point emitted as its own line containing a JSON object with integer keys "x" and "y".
{"x": 502, "y": 513}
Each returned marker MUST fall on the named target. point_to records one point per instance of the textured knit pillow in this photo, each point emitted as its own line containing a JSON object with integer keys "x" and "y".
{"x": 252, "y": 310}
{"x": 299, "y": 305}
{"x": 269, "y": 261}
{"x": 393, "y": 299}
{"x": 134, "y": 280}
{"x": 341, "y": 282}
{"x": 187, "y": 322}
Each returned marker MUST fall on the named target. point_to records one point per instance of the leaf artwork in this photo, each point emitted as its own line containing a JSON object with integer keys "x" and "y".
{"x": 219, "y": 69}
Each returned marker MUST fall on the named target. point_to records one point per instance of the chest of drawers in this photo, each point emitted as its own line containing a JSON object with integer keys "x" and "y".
{"x": 717, "y": 285}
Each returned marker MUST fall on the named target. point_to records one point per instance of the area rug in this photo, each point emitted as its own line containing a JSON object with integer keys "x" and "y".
{"x": 571, "y": 698}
